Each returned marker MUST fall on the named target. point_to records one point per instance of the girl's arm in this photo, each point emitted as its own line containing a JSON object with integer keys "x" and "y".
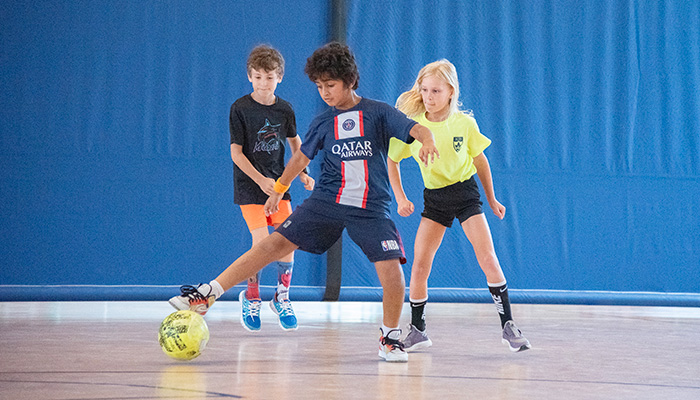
{"x": 405, "y": 206}
{"x": 295, "y": 145}
{"x": 484, "y": 171}
{"x": 266, "y": 184}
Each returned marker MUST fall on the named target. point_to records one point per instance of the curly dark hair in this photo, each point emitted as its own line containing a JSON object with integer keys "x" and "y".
{"x": 265, "y": 58}
{"x": 333, "y": 61}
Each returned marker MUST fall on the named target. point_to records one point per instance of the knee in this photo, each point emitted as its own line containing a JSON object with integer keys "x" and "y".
{"x": 489, "y": 262}
{"x": 394, "y": 284}
{"x": 421, "y": 268}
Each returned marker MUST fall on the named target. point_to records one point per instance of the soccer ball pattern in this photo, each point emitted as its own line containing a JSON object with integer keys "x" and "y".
{"x": 183, "y": 335}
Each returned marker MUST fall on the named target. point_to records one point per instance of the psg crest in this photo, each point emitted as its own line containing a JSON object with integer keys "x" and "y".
{"x": 457, "y": 143}
{"x": 348, "y": 124}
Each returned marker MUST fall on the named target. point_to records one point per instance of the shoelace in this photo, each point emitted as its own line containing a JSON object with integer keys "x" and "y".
{"x": 254, "y": 307}
{"x": 394, "y": 343}
{"x": 192, "y": 294}
{"x": 286, "y": 306}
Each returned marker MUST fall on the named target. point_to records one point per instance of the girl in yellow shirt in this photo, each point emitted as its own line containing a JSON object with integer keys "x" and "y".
{"x": 451, "y": 192}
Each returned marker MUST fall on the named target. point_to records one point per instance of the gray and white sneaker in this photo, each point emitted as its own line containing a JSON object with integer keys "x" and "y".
{"x": 391, "y": 350}
{"x": 416, "y": 339}
{"x": 197, "y": 299}
{"x": 514, "y": 338}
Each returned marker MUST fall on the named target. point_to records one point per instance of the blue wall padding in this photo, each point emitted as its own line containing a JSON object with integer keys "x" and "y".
{"x": 309, "y": 293}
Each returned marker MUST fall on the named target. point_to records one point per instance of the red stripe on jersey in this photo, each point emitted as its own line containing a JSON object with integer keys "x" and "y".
{"x": 362, "y": 124}
{"x": 364, "y": 196}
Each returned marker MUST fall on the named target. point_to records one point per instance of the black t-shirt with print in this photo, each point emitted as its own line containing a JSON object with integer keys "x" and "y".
{"x": 262, "y": 131}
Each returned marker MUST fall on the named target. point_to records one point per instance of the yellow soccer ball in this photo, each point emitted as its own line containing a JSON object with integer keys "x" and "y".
{"x": 183, "y": 335}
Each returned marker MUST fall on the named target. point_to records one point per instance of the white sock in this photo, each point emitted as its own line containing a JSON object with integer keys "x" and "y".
{"x": 216, "y": 289}
{"x": 391, "y": 333}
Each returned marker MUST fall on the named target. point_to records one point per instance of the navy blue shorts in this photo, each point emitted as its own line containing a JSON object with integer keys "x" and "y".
{"x": 460, "y": 200}
{"x": 316, "y": 225}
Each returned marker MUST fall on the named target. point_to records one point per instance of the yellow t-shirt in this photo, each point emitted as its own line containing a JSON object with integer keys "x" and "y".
{"x": 458, "y": 140}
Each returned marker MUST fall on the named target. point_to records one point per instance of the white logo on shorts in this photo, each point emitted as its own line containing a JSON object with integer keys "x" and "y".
{"x": 286, "y": 223}
{"x": 389, "y": 245}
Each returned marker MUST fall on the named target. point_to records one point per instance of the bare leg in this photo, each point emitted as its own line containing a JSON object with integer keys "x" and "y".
{"x": 477, "y": 230}
{"x": 394, "y": 286}
{"x": 268, "y": 250}
{"x": 428, "y": 239}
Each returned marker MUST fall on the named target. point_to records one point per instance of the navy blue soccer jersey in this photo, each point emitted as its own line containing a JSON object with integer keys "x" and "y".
{"x": 355, "y": 143}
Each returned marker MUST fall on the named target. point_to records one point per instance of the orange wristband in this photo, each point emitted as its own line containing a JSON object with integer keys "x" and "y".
{"x": 279, "y": 187}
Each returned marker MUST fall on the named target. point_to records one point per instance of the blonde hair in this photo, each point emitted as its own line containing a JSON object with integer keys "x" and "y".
{"x": 411, "y": 102}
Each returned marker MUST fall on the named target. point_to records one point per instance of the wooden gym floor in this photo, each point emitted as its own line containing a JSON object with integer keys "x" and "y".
{"x": 109, "y": 350}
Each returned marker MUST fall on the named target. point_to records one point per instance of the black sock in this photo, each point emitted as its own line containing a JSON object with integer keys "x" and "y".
{"x": 418, "y": 314}
{"x": 499, "y": 294}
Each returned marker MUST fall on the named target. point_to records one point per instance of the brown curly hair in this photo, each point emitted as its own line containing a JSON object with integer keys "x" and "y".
{"x": 333, "y": 61}
{"x": 265, "y": 58}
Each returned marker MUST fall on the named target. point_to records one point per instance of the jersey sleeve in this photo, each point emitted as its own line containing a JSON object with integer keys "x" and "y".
{"x": 236, "y": 127}
{"x": 476, "y": 141}
{"x": 398, "y": 124}
{"x": 313, "y": 141}
{"x": 398, "y": 150}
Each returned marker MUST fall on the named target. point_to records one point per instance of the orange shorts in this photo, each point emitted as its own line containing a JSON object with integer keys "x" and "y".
{"x": 254, "y": 215}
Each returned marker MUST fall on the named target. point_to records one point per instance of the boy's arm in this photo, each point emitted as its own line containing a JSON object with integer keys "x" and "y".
{"x": 483, "y": 169}
{"x": 296, "y": 165}
{"x": 428, "y": 151}
{"x": 304, "y": 177}
{"x": 266, "y": 184}
{"x": 405, "y": 207}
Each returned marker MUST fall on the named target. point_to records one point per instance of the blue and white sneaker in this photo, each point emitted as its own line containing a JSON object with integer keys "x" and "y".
{"x": 284, "y": 310}
{"x": 250, "y": 312}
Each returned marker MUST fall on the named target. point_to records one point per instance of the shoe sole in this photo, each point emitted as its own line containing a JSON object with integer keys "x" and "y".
{"x": 383, "y": 356}
{"x": 516, "y": 349}
{"x": 419, "y": 346}
{"x": 284, "y": 328}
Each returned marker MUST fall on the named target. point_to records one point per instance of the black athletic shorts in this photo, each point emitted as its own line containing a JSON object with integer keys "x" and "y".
{"x": 460, "y": 200}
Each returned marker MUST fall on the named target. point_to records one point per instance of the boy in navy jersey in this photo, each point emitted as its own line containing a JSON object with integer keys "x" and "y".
{"x": 351, "y": 193}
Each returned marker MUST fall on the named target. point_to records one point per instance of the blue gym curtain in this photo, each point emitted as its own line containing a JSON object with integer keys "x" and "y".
{"x": 594, "y": 112}
{"x": 115, "y": 145}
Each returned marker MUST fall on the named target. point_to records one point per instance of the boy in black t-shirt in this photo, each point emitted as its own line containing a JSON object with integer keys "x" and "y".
{"x": 259, "y": 123}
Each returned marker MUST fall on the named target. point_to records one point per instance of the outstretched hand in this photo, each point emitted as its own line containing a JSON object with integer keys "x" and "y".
{"x": 428, "y": 152}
